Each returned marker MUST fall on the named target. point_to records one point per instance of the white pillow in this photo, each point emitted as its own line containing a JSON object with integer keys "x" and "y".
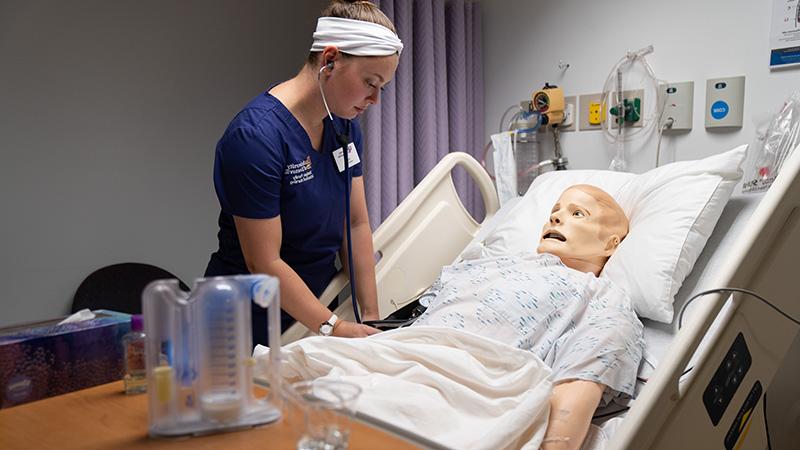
{"x": 672, "y": 211}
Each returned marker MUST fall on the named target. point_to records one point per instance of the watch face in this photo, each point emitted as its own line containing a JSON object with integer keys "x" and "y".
{"x": 326, "y": 329}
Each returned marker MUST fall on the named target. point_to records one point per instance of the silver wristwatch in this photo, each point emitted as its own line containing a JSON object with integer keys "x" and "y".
{"x": 326, "y": 329}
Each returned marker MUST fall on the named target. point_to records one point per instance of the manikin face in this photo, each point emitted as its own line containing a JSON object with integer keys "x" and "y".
{"x": 355, "y": 83}
{"x": 577, "y": 231}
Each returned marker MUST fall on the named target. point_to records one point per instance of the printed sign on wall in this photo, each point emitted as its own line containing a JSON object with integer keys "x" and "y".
{"x": 784, "y": 40}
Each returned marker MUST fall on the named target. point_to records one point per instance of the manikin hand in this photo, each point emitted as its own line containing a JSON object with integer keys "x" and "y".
{"x": 346, "y": 328}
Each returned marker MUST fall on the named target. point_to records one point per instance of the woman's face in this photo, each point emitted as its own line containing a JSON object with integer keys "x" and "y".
{"x": 355, "y": 83}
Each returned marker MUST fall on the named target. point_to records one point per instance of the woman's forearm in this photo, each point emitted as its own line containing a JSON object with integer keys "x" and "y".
{"x": 296, "y": 298}
{"x": 364, "y": 268}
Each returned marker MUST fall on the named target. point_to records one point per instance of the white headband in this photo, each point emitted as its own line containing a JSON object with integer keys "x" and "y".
{"x": 355, "y": 37}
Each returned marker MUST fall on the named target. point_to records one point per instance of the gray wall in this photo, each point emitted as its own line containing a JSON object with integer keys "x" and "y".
{"x": 109, "y": 114}
{"x": 694, "y": 40}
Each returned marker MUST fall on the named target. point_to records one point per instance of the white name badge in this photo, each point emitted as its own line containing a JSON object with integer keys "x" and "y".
{"x": 352, "y": 156}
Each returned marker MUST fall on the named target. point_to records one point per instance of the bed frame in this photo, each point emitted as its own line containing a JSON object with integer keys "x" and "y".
{"x": 430, "y": 217}
{"x": 667, "y": 414}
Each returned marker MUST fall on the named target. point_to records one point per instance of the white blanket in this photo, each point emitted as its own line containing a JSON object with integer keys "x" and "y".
{"x": 449, "y": 386}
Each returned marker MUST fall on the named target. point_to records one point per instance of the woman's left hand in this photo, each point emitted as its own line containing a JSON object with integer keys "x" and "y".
{"x": 369, "y": 315}
{"x": 345, "y": 328}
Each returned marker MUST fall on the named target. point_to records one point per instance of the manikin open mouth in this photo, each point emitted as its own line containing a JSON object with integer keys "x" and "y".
{"x": 554, "y": 235}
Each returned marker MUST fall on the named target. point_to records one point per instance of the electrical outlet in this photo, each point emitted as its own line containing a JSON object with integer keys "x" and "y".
{"x": 595, "y": 113}
{"x": 590, "y": 112}
{"x": 570, "y": 110}
{"x": 678, "y": 105}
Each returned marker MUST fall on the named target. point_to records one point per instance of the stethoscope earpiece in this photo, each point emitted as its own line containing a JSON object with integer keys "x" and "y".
{"x": 328, "y": 67}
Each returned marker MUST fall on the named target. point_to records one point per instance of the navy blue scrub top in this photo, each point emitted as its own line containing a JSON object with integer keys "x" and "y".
{"x": 265, "y": 166}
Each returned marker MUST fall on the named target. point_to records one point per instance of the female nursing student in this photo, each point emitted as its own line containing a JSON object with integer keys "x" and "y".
{"x": 281, "y": 183}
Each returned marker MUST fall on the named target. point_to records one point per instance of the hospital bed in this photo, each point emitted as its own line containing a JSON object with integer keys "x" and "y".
{"x": 753, "y": 246}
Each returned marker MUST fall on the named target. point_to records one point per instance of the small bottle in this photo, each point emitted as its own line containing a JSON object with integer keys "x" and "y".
{"x": 133, "y": 344}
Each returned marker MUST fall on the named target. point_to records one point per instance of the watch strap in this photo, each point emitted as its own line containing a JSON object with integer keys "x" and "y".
{"x": 326, "y": 328}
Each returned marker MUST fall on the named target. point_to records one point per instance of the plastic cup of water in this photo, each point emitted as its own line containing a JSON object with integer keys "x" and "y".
{"x": 323, "y": 412}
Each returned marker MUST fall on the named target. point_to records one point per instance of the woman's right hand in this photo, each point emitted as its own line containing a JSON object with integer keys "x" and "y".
{"x": 346, "y": 328}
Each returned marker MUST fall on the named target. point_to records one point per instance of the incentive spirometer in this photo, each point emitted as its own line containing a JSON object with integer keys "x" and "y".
{"x": 198, "y": 355}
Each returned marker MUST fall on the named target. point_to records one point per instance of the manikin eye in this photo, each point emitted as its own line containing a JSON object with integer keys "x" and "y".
{"x": 578, "y": 213}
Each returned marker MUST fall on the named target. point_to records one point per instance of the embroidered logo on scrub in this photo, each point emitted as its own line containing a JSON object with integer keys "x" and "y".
{"x": 299, "y": 172}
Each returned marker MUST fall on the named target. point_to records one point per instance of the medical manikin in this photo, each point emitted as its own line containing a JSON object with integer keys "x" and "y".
{"x": 554, "y": 304}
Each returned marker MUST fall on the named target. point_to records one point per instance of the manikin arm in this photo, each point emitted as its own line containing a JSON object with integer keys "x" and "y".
{"x": 571, "y": 408}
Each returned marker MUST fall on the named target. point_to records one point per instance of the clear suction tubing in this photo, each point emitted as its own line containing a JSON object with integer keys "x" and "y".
{"x": 198, "y": 354}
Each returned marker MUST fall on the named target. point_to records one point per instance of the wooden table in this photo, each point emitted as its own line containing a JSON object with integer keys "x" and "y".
{"x": 103, "y": 417}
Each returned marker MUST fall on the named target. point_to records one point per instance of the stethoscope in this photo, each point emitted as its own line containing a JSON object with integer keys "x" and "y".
{"x": 344, "y": 141}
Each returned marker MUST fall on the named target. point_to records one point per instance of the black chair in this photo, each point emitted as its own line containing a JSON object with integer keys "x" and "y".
{"x": 118, "y": 287}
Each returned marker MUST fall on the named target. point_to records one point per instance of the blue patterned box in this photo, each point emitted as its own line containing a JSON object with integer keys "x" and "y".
{"x": 44, "y": 359}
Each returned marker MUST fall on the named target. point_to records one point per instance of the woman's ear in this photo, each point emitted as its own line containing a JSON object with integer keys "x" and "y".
{"x": 329, "y": 55}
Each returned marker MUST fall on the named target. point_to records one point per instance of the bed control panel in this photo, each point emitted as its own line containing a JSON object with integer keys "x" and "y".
{"x": 738, "y": 427}
{"x": 726, "y": 379}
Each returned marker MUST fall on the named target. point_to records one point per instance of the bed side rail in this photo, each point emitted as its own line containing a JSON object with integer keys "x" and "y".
{"x": 671, "y": 414}
{"x": 426, "y": 231}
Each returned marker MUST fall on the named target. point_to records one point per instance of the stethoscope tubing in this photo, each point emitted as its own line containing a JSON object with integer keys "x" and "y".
{"x": 344, "y": 141}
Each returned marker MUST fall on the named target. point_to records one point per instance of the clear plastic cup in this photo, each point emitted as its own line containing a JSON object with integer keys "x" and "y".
{"x": 324, "y": 411}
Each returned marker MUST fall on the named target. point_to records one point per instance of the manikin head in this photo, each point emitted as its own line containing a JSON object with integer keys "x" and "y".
{"x": 585, "y": 227}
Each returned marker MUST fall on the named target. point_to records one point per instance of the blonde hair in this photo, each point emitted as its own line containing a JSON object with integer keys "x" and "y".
{"x": 354, "y": 10}
{"x": 614, "y": 216}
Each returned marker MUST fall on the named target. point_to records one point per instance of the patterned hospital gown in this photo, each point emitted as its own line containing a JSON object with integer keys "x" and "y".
{"x": 582, "y": 326}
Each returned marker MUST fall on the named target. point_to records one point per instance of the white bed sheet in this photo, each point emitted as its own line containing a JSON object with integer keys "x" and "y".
{"x": 454, "y": 388}
{"x": 658, "y": 336}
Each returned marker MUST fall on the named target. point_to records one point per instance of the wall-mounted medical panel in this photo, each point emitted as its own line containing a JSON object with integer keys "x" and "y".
{"x": 724, "y": 102}
{"x": 678, "y": 105}
{"x": 590, "y": 115}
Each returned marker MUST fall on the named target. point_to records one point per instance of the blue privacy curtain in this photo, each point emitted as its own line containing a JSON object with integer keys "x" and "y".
{"x": 433, "y": 106}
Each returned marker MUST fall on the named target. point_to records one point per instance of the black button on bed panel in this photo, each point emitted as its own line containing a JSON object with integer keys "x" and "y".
{"x": 726, "y": 379}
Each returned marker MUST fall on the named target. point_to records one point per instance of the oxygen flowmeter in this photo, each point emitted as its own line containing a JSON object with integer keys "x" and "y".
{"x": 549, "y": 102}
